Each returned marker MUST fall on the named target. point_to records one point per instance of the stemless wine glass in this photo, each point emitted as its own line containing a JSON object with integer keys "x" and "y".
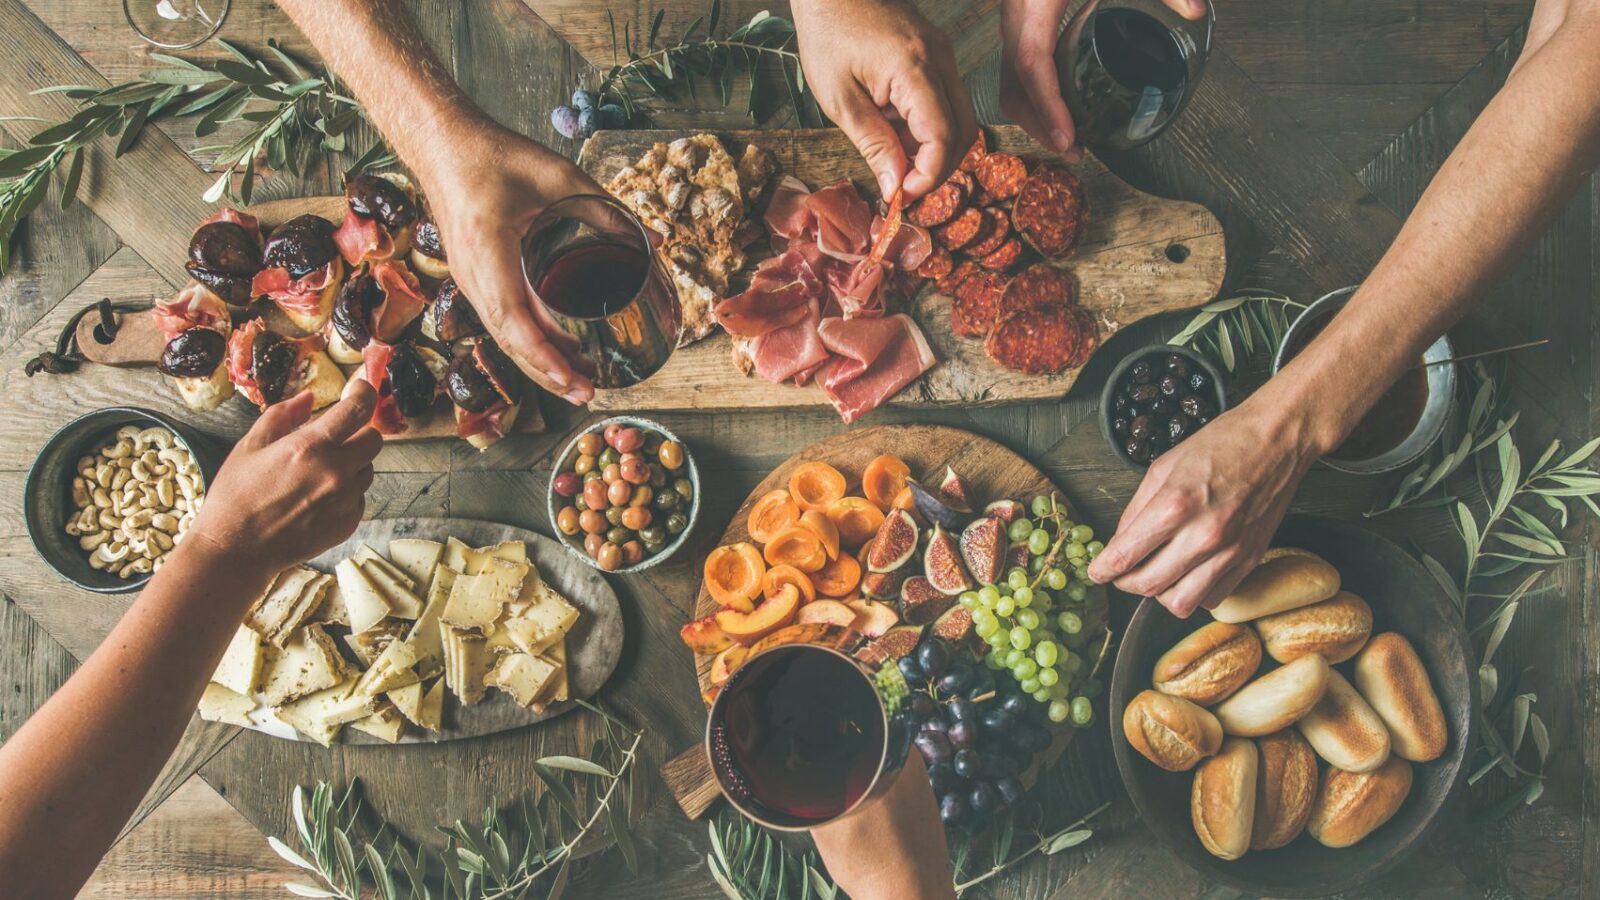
{"x": 600, "y": 292}
{"x": 1128, "y": 68}
{"x": 175, "y": 24}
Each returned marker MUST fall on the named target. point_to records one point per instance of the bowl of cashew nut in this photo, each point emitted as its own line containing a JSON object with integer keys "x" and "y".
{"x": 113, "y": 492}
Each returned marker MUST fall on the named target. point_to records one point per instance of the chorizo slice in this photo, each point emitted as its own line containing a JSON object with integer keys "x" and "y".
{"x": 1050, "y": 212}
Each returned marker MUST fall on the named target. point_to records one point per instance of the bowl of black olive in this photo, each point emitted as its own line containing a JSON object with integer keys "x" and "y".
{"x": 1156, "y": 397}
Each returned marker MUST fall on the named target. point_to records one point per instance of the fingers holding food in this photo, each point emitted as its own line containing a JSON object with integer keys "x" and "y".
{"x": 1222, "y": 800}
{"x": 1336, "y": 628}
{"x": 1392, "y": 678}
{"x": 1210, "y": 664}
{"x": 1286, "y": 578}
{"x": 1286, "y": 785}
{"x": 1276, "y": 700}
{"x": 1170, "y": 731}
{"x": 1351, "y": 805}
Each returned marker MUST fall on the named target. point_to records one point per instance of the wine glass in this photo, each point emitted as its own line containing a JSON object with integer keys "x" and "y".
{"x": 1128, "y": 67}
{"x": 175, "y": 24}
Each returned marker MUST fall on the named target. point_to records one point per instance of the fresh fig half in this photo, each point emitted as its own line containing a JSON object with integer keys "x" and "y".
{"x": 954, "y": 624}
{"x": 896, "y": 642}
{"x": 894, "y": 544}
{"x": 1007, "y": 510}
{"x": 882, "y": 585}
{"x": 954, "y": 491}
{"x": 983, "y": 549}
{"x": 942, "y": 563}
{"x": 1017, "y": 555}
{"x": 935, "y": 508}
{"x": 921, "y": 602}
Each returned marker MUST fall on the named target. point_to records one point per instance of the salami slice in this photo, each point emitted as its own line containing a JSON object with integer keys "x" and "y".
{"x": 977, "y": 304}
{"x": 950, "y": 283}
{"x": 963, "y": 229}
{"x": 938, "y": 206}
{"x": 1002, "y": 175}
{"x": 1050, "y": 212}
{"x": 1042, "y": 340}
{"x": 1040, "y": 284}
{"x": 1004, "y": 257}
{"x": 938, "y": 264}
{"x": 969, "y": 185}
{"x": 991, "y": 242}
{"x": 975, "y": 154}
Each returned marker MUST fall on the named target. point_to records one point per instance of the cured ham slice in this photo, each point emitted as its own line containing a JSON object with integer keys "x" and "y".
{"x": 759, "y": 311}
{"x": 296, "y": 296}
{"x": 402, "y": 300}
{"x": 360, "y": 238}
{"x": 241, "y": 361}
{"x": 785, "y": 353}
{"x": 899, "y": 355}
{"x": 193, "y": 307}
{"x": 386, "y": 415}
{"x": 844, "y": 221}
{"x": 788, "y": 214}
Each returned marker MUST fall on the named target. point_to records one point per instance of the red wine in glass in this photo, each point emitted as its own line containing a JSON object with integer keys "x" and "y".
{"x": 1128, "y": 68}
{"x": 798, "y": 736}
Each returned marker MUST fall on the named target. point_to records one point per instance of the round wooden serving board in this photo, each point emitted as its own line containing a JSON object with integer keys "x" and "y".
{"x": 138, "y": 344}
{"x": 593, "y": 646}
{"x": 991, "y": 471}
{"x": 1140, "y": 256}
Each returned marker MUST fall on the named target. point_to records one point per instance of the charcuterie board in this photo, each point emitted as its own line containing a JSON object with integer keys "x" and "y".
{"x": 989, "y": 469}
{"x": 1140, "y": 256}
{"x": 137, "y": 343}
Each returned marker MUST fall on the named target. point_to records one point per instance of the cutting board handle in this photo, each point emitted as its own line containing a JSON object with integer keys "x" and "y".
{"x": 118, "y": 334}
{"x": 691, "y": 781}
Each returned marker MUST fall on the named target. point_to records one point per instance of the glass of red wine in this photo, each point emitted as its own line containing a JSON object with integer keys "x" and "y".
{"x": 799, "y": 736}
{"x": 599, "y": 291}
{"x": 1128, "y": 67}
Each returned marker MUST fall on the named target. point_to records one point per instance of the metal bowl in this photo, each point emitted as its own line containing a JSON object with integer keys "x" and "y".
{"x": 1404, "y": 599}
{"x": 1122, "y": 368}
{"x": 563, "y": 462}
{"x": 1436, "y": 411}
{"x": 47, "y": 495}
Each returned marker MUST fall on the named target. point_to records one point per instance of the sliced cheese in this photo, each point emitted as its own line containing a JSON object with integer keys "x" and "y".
{"x": 408, "y": 700}
{"x": 366, "y": 605}
{"x": 431, "y": 715}
{"x": 476, "y": 601}
{"x": 365, "y": 555}
{"x": 470, "y": 561}
{"x": 240, "y": 668}
{"x": 386, "y": 724}
{"x": 417, "y": 559}
{"x": 390, "y": 670}
{"x": 455, "y": 555}
{"x": 466, "y": 662}
{"x": 321, "y": 715}
{"x": 369, "y": 644}
{"x": 557, "y": 655}
{"x": 294, "y": 594}
{"x": 332, "y": 608}
{"x": 545, "y": 618}
{"x": 510, "y": 551}
{"x": 219, "y": 704}
{"x": 524, "y": 676}
{"x": 402, "y": 601}
{"x": 424, "y": 636}
{"x": 307, "y": 664}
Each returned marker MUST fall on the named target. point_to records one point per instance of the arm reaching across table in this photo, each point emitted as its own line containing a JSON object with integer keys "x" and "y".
{"x": 75, "y": 771}
{"x": 1207, "y": 508}
{"x": 892, "y": 847}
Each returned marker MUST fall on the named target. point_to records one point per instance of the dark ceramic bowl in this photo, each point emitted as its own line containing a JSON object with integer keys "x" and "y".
{"x": 47, "y": 496}
{"x": 1405, "y": 599}
{"x": 1117, "y": 374}
{"x": 574, "y": 543}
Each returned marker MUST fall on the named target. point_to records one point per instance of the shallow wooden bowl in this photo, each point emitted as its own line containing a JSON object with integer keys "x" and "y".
{"x": 1404, "y": 598}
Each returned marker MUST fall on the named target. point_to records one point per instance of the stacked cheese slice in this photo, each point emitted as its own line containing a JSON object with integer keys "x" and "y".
{"x": 422, "y": 619}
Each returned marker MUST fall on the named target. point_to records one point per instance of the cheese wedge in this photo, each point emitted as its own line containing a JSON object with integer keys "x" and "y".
{"x": 470, "y": 561}
{"x": 240, "y": 668}
{"x": 321, "y": 715}
{"x": 332, "y": 608}
{"x": 390, "y": 670}
{"x": 403, "y": 602}
{"x": 455, "y": 555}
{"x": 386, "y": 724}
{"x": 431, "y": 715}
{"x": 294, "y": 594}
{"x": 218, "y": 704}
{"x": 476, "y": 601}
{"x": 366, "y": 605}
{"x": 369, "y": 644}
{"x": 466, "y": 662}
{"x": 557, "y": 656}
{"x": 365, "y": 555}
{"x": 525, "y": 677}
{"x": 408, "y": 700}
{"x": 510, "y": 551}
{"x": 424, "y": 636}
{"x": 545, "y": 618}
{"x": 307, "y": 664}
{"x": 417, "y": 559}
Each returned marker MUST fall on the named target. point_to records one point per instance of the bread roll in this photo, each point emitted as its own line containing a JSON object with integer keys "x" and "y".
{"x": 1344, "y": 730}
{"x": 1286, "y": 578}
{"x": 1286, "y": 784}
{"x": 1391, "y": 677}
{"x": 1276, "y": 700}
{"x": 1222, "y": 802}
{"x": 1209, "y": 664}
{"x": 1336, "y": 628}
{"x": 1170, "y": 731}
{"x": 1351, "y": 805}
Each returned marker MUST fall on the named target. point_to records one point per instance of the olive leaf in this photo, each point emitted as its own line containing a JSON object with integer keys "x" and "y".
{"x": 1247, "y": 326}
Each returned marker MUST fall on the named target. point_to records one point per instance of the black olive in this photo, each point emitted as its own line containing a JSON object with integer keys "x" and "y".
{"x": 1200, "y": 421}
{"x": 1178, "y": 365}
{"x": 352, "y": 312}
{"x": 426, "y": 238}
{"x": 1143, "y": 393}
{"x": 302, "y": 245}
{"x": 1156, "y": 450}
{"x": 1199, "y": 383}
{"x": 467, "y": 386}
{"x": 413, "y": 382}
{"x": 453, "y": 315}
{"x": 271, "y": 360}
{"x": 1120, "y": 426}
{"x": 235, "y": 289}
{"x": 1119, "y": 402}
{"x": 1196, "y": 407}
{"x": 193, "y": 354}
{"x": 1140, "y": 372}
{"x": 1138, "y": 450}
{"x": 502, "y": 372}
{"x": 1178, "y": 428}
{"x": 1140, "y": 427}
{"x": 1160, "y": 406}
{"x": 371, "y": 197}
{"x": 1170, "y": 385}
{"x": 225, "y": 248}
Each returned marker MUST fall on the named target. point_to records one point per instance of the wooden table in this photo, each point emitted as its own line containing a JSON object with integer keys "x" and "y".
{"x": 1316, "y": 128}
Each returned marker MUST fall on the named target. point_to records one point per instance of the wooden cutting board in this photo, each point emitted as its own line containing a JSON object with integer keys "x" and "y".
{"x": 138, "y": 344}
{"x": 1141, "y": 256}
{"x": 991, "y": 471}
{"x": 593, "y": 646}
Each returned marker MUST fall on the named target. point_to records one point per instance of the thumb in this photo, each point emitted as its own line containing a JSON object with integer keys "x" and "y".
{"x": 876, "y": 140}
{"x": 279, "y": 420}
{"x": 1193, "y": 10}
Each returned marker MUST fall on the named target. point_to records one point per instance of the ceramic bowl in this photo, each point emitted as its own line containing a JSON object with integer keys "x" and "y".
{"x": 1106, "y": 393}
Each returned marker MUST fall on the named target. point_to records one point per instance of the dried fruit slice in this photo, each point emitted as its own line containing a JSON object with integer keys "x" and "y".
{"x": 733, "y": 575}
{"x": 779, "y": 577}
{"x": 942, "y": 563}
{"x": 839, "y": 577}
{"x": 921, "y": 602}
{"x": 894, "y": 544}
{"x": 883, "y": 478}
{"x": 983, "y": 549}
{"x": 896, "y": 642}
{"x": 798, "y": 546}
{"x": 769, "y": 615}
{"x": 774, "y": 512}
{"x": 816, "y": 484}
{"x": 939, "y": 508}
{"x": 857, "y": 519}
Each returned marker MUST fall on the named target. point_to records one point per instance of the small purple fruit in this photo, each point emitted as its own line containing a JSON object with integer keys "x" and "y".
{"x": 588, "y": 121}
{"x": 613, "y": 116}
{"x": 582, "y": 99}
{"x": 565, "y": 121}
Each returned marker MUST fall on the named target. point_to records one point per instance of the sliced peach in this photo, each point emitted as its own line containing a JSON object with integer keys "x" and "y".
{"x": 774, "y": 512}
{"x": 872, "y": 618}
{"x": 826, "y": 612}
{"x": 816, "y": 484}
{"x": 733, "y": 575}
{"x": 781, "y": 575}
{"x": 704, "y": 635}
{"x": 883, "y": 479}
{"x": 799, "y": 547}
{"x": 839, "y": 578}
{"x": 904, "y": 500}
{"x": 856, "y": 519}
{"x": 824, "y": 529}
{"x": 729, "y": 659}
{"x": 769, "y": 615}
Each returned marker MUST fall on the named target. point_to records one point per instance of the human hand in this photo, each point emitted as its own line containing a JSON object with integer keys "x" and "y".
{"x": 1030, "y": 87}
{"x": 290, "y": 490}
{"x": 890, "y": 80}
{"x": 1208, "y": 507}
{"x": 893, "y": 845}
{"x": 484, "y": 188}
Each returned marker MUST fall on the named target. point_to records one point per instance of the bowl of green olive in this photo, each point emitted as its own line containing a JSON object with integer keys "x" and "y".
{"x": 624, "y": 494}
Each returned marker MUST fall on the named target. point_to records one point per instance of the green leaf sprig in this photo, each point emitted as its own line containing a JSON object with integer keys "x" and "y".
{"x": 1239, "y": 327}
{"x": 761, "y": 48}
{"x": 748, "y": 863}
{"x": 1481, "y": 419}
{"x": 587, "y": 804}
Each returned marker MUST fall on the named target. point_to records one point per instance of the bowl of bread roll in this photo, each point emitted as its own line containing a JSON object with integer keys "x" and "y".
{"x": 1302, "y": 736}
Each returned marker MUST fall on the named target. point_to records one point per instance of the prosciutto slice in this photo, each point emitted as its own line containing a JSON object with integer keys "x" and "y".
{"x": 297, "y": 295}
{"x": 359, "y": 238}
{"x": 789, "y": 214}
{"x": 193, "y": 307}
{"x": 386, "y": 415}
{"x": 402, "y": 299}
{"x": 875, "y": 359}
{"x": 785, "y": 353}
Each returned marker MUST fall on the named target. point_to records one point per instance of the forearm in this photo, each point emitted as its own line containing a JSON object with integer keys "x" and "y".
{"x": 892, "y": 847}
{"x": 1510, "y": 174}
{"x": 76, "y": 770}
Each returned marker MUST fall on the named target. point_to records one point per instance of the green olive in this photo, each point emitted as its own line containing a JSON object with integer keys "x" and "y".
{"x": 676, "y": 523}
{"x": 591, "y": 475}
{"x": 614, "y": 516}
{"x": 609, "y": 457}
{"x": 658, "y": 475}
{"x": 652, "y": 441}
{"x": 619, "y": 536}
{"x": 684, "y": 488}
{"x": 667, "y": 501}
{"x": 653, "y": 535}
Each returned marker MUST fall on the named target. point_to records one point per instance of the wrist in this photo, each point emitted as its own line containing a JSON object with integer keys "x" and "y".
{"x": 1289, "y": 415}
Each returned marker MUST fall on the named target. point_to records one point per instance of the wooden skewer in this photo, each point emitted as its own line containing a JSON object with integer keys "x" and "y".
{"x": 1466, "y": 356}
